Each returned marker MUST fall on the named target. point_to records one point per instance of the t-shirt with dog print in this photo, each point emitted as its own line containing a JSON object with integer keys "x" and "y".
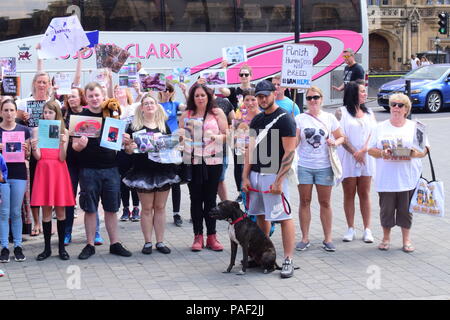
{"x": 313, "y": 149}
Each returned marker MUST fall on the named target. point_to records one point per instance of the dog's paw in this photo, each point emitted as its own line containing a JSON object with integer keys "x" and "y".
{"x": 227, "y": 271}
{"x": 240, "y": 273}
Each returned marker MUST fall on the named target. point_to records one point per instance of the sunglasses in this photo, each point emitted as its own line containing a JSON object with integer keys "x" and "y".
{"x": 309, "y": 98}
{"x": 346, "y": 56}
{"x": 398, "y": 104}
{"x": 244, "y": 74}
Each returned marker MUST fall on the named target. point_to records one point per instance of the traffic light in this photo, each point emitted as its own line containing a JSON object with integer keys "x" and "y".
{"x": 443, "y": 22}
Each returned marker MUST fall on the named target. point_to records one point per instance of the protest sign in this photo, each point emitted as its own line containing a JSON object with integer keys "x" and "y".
{"x": 153, "y": 82}
{"x": 64, "y": 35}
{"x": 48, "y": 134}
{"x": 10, "y": 86}
{"x": 297, "y": 65}
{"x": 235, "y": 54}
{"x": 80, "y": 126}
{"x": 35, "y": 109}
{"x": 181, "y": 75}
{"x": 215, "y": 78}
{"x": 64, "y": 83}
{"x": 93, "y": 38}
{"x": 110, "y": 56}
{"x": 12, "y": 149}
{"x": 113, "y": 134}
{"x": 160, "y": 148}
{"x": 9, "y": 66}
{"x": 128, "y": 75}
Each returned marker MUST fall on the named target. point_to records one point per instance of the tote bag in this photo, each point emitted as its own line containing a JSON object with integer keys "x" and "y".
{"x": 428, "y": 198}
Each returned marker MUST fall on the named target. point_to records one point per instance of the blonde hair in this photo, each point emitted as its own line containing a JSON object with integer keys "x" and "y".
{"x": 403, "y": 98}
{"x": 36, "y": 76}
{"x": 127, "y": 92}
{"x": 160, "y": 116}
{"x": 315, "y": 89}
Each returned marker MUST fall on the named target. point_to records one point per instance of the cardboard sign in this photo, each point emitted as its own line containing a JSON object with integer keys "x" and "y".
{"x": 297, "y": 65}
{"x": 48, "y": 134}
{"x": 113, "y": 134}
{"x": 12, "y": 146}
{"x": 153, "y": 82}
{"x": 110, "y": 56}
{"x": 215, "y": 78}
{"x": 35, "y": 109}
{"x": 64, "y": 35}
{"x": 10, "y": 86}
{"x": 235, "y": 54}
{"x": 9, "y": 66}
{"x": 80, "y": 126}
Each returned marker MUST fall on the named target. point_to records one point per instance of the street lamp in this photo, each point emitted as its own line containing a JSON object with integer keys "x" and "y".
{"x": 437, "y": 41}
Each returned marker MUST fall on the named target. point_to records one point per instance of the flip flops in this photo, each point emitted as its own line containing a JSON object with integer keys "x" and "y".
{"x": 35, "y": 232}
{"x": 384, "y": 246}
{"x": 408, "y": 248}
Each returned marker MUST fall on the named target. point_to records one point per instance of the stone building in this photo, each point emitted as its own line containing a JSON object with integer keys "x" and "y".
{"x": 400, "y": 28}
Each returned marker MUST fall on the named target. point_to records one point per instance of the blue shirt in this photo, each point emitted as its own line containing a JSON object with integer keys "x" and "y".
{"x": 4, "y": 168}
{"x": 171, "y": 108}
{"x": 286, "y": 104}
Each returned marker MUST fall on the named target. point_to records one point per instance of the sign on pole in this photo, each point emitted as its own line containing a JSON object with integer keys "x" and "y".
{"x": 297, "y": 65}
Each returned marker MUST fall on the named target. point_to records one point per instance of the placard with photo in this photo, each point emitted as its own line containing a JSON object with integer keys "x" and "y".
{"x": 63, "y": 81}
{"x": 112, "y": 136}
{"x": 9, "y": 66}
{"x": 80, "y": 126}
{"x": 153, "y": 82}
{"x": 12, "y": 142}
{"x": 35, "y": 109}
{"x": 110, "y": 56}
{"x": 48, "y": 134}
{"x": 181, "y": 75}
{"x": 235, "y": 54}
{"x": 215, "y": 78}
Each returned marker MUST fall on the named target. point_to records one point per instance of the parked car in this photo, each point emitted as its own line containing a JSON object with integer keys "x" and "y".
{"x": 430, "y": 88}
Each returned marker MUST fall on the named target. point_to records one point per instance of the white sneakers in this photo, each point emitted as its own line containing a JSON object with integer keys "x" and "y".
{"x": 351, "y": 234}
{"x": 367, "y": 237}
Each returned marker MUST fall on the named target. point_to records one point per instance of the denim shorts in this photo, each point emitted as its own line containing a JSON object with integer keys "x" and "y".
{"x": 324, "y": 177}
{"x": 96, "y": 184}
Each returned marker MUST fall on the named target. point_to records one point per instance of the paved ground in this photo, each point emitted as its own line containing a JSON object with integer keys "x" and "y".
{"x": 355, "y": 271}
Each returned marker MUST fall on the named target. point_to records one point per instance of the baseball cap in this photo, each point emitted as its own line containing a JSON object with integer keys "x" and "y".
{"x": 264, "y": 87}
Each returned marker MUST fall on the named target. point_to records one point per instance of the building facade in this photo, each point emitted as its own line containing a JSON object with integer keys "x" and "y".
{"x": 401, "y": 28}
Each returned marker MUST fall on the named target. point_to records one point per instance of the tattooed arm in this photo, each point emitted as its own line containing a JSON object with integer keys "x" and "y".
{"x": 289, "y": 144}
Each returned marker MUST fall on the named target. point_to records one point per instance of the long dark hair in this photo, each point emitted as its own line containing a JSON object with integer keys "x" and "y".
{"x": 209, "y": 93}
{"x": 351, "y": 98}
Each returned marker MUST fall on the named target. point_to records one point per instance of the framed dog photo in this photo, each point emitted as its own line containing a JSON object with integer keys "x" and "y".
{"x": 215, "y": 78}
{"x": 80, "y": 126}
{"x": 48, "y": 134}
{"x": 112, "y": 136}
{"x": 235, "y": 54}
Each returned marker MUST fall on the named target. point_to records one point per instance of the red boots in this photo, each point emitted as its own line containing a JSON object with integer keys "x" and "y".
{"x": 211, "y": 243}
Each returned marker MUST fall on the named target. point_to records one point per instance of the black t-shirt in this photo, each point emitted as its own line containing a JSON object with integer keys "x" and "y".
{"x": 17, "y": 170}
{"x": 225, "y": 105}
{"x": 234, "y": 93}
{"x": 141, "y": 160}
{"x": 263, "y": 159}
{"x": 94, "y": 156}
{"x": 353, "y": 73}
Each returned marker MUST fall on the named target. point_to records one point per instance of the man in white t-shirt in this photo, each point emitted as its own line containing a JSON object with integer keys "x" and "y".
{"x": 415, "y": 62}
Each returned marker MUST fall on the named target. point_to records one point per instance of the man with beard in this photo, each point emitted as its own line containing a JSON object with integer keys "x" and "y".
{"x": 267, "y": 163}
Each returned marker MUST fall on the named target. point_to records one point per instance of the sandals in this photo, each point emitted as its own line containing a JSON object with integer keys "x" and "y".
{"x": 35, "y": 232}
{"x": 384, "y": 246}
{"x": 408, "y": 248}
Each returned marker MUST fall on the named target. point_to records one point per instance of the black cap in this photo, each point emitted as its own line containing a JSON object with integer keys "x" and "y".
{"x": 264, "y": 87}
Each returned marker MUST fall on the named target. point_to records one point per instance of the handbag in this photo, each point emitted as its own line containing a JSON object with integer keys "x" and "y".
{"x": 428, "y": 197}
{"x": 335, "y": 162}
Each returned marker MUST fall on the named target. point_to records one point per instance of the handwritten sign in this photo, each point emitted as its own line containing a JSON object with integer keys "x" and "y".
{"x": 297, "y": 65}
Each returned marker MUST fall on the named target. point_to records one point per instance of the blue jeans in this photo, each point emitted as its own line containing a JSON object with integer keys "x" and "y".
{"x": 11, "y": 208}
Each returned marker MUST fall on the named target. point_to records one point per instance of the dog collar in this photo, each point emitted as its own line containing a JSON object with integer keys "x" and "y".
{"x": 239, "y": 219}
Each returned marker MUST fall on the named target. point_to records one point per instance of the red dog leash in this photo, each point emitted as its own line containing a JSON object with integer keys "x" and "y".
{"x": 283, "y": 199}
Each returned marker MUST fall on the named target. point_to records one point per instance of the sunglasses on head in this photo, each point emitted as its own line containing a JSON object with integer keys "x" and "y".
{"x": 398, "y": 104}
{"x": 309, "y": 98}
{"x": 244, "y": 74}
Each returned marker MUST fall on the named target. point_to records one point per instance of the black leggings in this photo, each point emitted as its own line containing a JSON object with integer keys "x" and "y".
{"x": 238, "y": 169}
{"x": 176, "y": 197}
{"x": 125, "y": 163}
{"x": 203, "y": 194}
